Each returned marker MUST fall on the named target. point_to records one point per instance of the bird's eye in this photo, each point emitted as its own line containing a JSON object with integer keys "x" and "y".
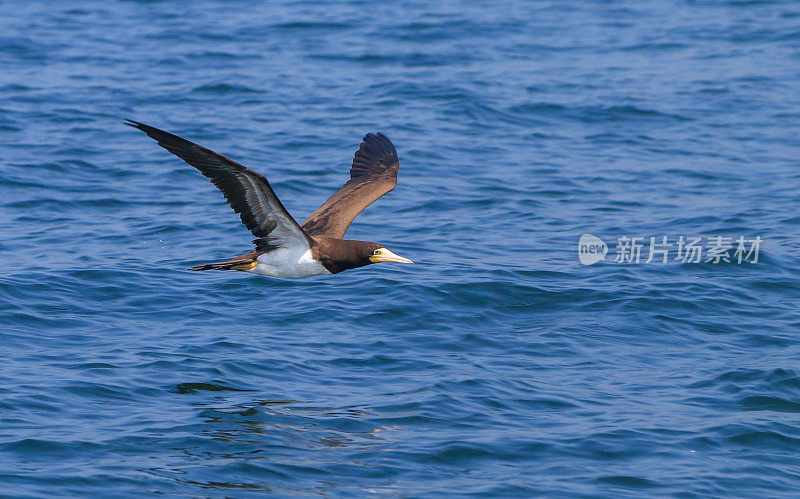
{"x": 377, "y": 252}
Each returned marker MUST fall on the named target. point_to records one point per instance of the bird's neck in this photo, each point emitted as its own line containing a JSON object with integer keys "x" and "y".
{"x": 338, "y": 255}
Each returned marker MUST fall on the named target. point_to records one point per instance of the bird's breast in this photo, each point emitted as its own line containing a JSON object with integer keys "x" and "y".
{"x": 288, "y": 264}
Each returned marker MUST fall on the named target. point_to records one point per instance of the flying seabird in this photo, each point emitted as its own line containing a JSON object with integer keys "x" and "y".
{"x": 285, "y": 248}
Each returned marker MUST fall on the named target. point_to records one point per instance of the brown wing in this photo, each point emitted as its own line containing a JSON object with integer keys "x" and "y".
{"x": 248, "y": 192}
{"x": 373, "y": 174}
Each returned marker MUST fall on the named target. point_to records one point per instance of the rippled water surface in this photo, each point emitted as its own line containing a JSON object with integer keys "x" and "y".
{"x": 498, "y": 364}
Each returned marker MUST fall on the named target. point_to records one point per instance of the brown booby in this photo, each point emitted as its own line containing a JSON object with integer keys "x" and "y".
{"x": 285, "y": 248}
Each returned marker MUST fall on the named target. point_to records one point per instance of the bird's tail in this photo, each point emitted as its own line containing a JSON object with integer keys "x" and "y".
{"x": 229, "y": 265}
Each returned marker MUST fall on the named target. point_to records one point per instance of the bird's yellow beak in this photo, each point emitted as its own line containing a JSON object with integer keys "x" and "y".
{"x": 384, "y": 255}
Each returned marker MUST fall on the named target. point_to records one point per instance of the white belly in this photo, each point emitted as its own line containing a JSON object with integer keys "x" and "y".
{"x": 288, "y": 264}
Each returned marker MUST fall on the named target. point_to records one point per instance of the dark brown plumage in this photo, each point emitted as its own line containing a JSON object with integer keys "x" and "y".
{"x": 282, "y": 245}
{"x": 373, "y": 174}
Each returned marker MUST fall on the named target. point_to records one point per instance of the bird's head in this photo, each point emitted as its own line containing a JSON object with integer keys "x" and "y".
{"x": 379, "y": 254}
{"x": 338, "y": 255}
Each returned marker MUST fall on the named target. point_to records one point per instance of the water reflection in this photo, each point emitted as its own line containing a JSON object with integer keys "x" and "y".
{"x": 275, "y": 445}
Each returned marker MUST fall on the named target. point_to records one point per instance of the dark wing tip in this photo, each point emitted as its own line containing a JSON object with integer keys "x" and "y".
{"x": 134, "y": 124}
{"x": 171, "y": 142}
{"x": 375, "y": 155}
{"x": 149, "y": 130}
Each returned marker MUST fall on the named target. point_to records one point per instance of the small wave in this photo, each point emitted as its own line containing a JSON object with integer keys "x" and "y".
{"x": 769, "y": 403}
{"x": 184, "y": 388}
{"x": 225, "y": 88}
{"x": 34, "y": 446}
{"x": 765, "y": 439}
{"x": 626, "y": 481}
{"x": 313, "y": 26}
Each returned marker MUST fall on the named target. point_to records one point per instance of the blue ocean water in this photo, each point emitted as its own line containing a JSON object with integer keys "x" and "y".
{"x": 498, "y": 365}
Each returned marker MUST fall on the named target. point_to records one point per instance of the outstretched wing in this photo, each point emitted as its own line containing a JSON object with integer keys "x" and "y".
{"x": 248, "y": 192}
{"x": 373, "y": 174}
